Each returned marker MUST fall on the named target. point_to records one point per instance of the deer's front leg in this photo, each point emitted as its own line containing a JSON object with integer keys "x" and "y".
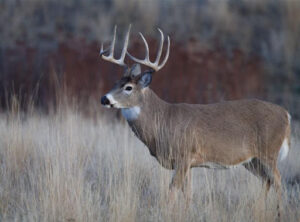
{"x": 180, "y": 175}
{"x": 187, "y": 188}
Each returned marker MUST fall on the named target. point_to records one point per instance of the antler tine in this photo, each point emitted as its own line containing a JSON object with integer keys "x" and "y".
{"x": 110, "y": 57}
{"x": 102, "y": 51}
{"x": 160, "y": 48}
{"x": 112, "y": 46}
{"x": 146, "y": 61}
{"x": 167, "y": 55}
{"x": 147, "y": 48}
{"x": 126, "y": 41}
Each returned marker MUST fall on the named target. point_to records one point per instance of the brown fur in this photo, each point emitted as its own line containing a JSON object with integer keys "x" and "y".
{"x": 182, "y": 136}
{"x": 226, "y": 133}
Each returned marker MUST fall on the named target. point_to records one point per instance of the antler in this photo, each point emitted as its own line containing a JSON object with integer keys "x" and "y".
{"x": 110, "y": 57}
{"x": 154, "y": 65}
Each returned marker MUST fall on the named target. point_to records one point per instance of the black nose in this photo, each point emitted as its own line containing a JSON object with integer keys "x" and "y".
{"x": 104, "y": 101}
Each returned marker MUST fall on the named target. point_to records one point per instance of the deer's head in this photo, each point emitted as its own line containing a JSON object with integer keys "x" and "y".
{"x": 128, "y": 91}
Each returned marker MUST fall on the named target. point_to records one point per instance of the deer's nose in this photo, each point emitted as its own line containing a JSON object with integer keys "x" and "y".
{"x": 105, "y": 101}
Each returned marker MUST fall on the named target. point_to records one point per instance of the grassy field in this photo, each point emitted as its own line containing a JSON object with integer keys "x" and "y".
{"x": 67, "y": 167}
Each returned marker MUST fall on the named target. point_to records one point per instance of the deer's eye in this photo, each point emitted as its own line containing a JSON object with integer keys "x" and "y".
{"x": 128, "y": 88}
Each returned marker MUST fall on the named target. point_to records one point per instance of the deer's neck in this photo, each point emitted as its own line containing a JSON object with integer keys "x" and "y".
{"x": 148, "y": 118}
{"x": 150, "y": 105}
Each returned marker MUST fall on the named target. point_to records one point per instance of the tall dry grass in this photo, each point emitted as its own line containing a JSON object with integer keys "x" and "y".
{"x": 67, "y": 167}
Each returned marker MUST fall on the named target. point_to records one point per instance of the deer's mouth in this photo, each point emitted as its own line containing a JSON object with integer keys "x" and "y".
{"x": 108, "y": 101}
{"x": 113, "y": 105}
{"x": 110, "y": 105}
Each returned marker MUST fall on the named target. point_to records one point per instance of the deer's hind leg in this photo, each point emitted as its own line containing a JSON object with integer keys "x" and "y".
{"x": 260, "y": 170}
{"x": 270, "y": 175}
{"x": 277, "y": 186}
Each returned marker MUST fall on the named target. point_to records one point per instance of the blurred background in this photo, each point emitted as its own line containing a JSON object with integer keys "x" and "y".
{"x": 220, "y": 50}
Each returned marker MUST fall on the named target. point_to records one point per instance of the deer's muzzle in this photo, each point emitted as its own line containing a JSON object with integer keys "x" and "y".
{"x": 105, "y": 101}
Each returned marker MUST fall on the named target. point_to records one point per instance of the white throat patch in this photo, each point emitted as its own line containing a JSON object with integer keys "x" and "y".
{"x": 131, "y": 113}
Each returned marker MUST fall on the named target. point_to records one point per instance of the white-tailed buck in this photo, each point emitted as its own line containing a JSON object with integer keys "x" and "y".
{"x": 251, "y": 133}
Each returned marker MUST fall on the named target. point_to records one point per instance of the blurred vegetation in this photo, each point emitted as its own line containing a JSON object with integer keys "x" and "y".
{"x": 263, "y": 32}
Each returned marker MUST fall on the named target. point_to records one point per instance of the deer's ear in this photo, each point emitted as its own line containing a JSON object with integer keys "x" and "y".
{"x": 145, "y": 80}
{"x": 126, "y": 71}
{"x": 135, "y": 70}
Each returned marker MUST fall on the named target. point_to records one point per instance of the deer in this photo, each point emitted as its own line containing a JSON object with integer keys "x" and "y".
{"x": 248, "y": 132}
